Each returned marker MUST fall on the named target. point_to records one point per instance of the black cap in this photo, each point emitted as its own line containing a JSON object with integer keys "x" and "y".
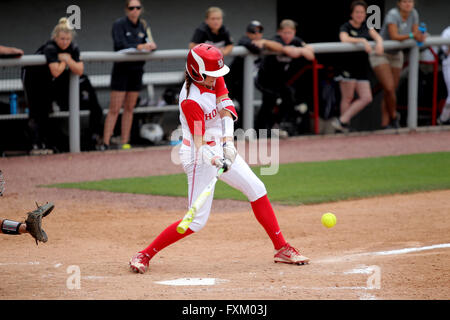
{"x": 255, "y": 26}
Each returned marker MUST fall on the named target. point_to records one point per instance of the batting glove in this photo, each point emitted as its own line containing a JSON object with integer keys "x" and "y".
{"x": 229, "y": 151}
{"x": 207, "y": 154}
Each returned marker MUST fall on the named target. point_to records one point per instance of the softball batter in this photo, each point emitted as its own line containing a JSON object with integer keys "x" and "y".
{"x": 207, "y": 117}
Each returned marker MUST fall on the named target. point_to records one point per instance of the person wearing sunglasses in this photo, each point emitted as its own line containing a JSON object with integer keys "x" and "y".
{"x": 129, "y": 32}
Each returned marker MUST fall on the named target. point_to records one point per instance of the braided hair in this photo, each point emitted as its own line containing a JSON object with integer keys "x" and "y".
{"x": 189, "y": 81}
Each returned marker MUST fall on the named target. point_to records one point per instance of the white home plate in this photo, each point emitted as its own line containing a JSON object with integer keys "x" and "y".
{"x": 191, "y": 282}
{"x": 361, "y": 270}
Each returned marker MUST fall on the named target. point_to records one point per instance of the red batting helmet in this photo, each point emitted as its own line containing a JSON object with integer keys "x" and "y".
{"x": 205, "y": 59}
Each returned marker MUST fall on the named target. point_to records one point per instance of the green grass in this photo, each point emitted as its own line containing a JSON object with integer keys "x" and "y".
{"x": 310, "y": 182}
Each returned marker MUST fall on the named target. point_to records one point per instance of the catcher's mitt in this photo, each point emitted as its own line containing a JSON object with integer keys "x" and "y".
{"x": 34, "y": 221}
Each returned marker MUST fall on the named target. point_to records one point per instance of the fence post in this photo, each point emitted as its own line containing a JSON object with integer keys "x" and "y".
{"x": 413, "y": 84}
{"x": 248, "y": 93}
{"x": 74, "y": 113}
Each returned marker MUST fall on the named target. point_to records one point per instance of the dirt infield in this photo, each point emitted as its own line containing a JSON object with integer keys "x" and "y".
{"x": 393, "y": 247}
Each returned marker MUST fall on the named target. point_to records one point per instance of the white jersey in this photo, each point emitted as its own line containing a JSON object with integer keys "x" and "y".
{"x": 199, "y": 111}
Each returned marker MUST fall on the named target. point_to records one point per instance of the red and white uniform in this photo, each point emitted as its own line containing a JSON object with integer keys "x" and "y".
{"x": 199, "y": 113}
{"x": 200, "y": 109}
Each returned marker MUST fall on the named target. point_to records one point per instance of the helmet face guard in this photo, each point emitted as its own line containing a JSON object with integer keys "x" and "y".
{"x": 205, "y": 60}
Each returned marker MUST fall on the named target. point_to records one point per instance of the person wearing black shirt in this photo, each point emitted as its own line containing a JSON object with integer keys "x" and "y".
{"x": 254, "y": 42}
{"x": 126, "y": 80}
{"x": 273, "y": 74}
{"x": 40, "y": 82}
{"x": 355, "y": 72}
{"x": 212, "y": 31}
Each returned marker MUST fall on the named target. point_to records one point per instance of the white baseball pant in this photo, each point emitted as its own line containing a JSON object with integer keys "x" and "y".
{"x": 200, "y": 173}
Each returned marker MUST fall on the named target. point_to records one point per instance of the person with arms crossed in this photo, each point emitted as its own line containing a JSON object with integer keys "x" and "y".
{"x": 41, "y": 82}
{"x": 273, "y": 76}
{"x": 207, "y": 118}
{"x": 254, "y": 42}
{"x": 129, "y": 32}
{"x": 356, "y": 68}
{"x": 213, "y": 31}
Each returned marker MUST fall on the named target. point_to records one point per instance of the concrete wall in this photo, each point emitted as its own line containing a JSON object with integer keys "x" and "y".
{"x": 28, "y": 24}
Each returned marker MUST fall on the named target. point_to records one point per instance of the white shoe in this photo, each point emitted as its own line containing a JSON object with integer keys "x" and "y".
{"x": 339, "y": 126}
{"x": 290, "y": 255}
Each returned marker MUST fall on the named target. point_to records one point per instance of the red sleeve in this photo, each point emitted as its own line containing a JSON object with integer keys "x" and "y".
{"x": 221, "y": 87}
{"x": 194, "y": 115}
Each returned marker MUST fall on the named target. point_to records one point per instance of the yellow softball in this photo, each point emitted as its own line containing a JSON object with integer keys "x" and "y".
{"x": 329, "y": 219}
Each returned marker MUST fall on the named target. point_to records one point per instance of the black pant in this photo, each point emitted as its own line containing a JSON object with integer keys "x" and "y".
{"x": 41, "y": 91}
{"x": 271, "y": 113}
{"x": 38, "y": 90}
{"x": 88, "y": 101}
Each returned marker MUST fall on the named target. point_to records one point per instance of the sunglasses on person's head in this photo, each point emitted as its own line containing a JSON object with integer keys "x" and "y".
{"x": 134, "y": 7}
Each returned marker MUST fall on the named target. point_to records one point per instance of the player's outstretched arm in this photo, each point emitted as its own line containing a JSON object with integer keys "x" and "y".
{"x": 12, "y": 227}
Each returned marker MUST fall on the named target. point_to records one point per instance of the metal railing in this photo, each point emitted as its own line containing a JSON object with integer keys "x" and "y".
{"x": 248, "y": 87}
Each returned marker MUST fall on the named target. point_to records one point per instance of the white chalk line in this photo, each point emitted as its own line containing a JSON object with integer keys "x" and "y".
{"x": 408, "y": 250}
{"x": 384, "y": 253}
{"x": 192, "y": 282}
{"x": 32, "y": 263}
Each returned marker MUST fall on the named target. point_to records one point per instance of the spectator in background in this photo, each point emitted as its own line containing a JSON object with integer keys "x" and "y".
{"x": 88, "y": 101}
{"x": 39, "y": 82}
{"x": 354, "y": 77}
{"x": 401, "y": 23}
{"x": 273, "y": 75}
{"x": 10, "y": 51}
{"x": 212, "y": 31}
{"x": 128, "y": 32}
{"x": 254, "y": 42}
{"x": 444, "y": 117}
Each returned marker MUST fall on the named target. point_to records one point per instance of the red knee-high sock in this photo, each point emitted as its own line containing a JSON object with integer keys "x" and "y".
{"x": 166, "y": 238}
{"x": 266, "y": 217}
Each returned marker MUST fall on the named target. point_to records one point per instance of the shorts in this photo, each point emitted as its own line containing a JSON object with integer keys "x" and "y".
{"x": 346, "y": 75}
{"x": 394, "y": 59}
{"x": 126, "y": 79}
{"x": 355, "y": 67}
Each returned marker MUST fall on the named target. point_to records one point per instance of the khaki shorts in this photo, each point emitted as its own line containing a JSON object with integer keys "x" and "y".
{"x": 395, "y": 60}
